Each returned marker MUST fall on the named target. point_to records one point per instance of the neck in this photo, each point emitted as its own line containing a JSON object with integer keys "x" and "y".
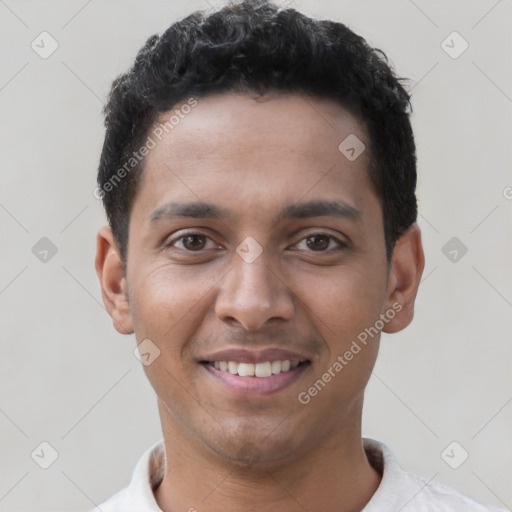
{"x": 334, "y": 477}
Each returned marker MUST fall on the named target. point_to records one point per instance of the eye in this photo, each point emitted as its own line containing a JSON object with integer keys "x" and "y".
{"x": 321, "y": 242}
{"x": 191, "y": 242}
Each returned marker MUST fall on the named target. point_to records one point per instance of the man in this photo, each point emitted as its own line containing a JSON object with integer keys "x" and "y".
{"x": 258, "y": 174}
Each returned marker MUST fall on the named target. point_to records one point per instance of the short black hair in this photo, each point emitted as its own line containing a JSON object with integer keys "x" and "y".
{"x": 257, "y": 47}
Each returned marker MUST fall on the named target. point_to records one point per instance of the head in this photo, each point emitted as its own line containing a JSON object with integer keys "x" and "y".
{"x": 239, "y": 221}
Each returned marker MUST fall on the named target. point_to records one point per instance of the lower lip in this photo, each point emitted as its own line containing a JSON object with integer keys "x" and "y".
{"x": 247, "y": 386}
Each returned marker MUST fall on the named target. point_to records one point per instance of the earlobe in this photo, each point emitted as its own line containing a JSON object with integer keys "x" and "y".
{"x": 113, "y": 284}
{"x": 407, "y": 264}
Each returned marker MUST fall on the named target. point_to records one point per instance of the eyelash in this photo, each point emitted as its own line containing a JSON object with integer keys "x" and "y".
{"x": 340, "y": 244}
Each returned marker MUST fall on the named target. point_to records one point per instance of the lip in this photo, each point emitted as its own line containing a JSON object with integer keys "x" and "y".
{"x": 254, "y": 386}
{"x": 241, "y": 355}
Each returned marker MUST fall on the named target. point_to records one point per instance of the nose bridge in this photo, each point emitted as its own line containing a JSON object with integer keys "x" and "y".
{"x": 252, "y": 293}
{"x": 251, "y": 281}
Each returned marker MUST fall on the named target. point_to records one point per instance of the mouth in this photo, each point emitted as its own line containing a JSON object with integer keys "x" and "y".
{"x": 252, "y": 374}
{"x": 261, "y": 370}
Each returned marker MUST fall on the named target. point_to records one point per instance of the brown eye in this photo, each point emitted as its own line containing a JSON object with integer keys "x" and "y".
{"x": 191, "y": 246}
{"x": 321, "y": 243}
{"x": 193, "y": 242}
{"x": 318, "y": 242}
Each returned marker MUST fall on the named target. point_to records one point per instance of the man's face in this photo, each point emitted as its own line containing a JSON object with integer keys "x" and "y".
{"x": 319, "y": 281}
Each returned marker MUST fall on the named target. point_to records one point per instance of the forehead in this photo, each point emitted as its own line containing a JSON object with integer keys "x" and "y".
{"x": 229, "y": 123}
{"x": 234, "y": 149}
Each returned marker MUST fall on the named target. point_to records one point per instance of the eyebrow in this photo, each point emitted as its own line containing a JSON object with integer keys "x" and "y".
{"x": 201, "y": 210}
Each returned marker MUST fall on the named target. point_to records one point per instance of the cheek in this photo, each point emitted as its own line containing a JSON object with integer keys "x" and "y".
{"x": 343, "y": 302}
{"x": 341, "y": 309}
{"x": 166, "y": 306}
{"x": 341, "y": 306}
{"x": 167, "y": 309}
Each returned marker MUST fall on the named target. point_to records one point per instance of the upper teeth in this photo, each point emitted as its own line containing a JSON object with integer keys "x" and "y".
{"x": 265, "y": 369}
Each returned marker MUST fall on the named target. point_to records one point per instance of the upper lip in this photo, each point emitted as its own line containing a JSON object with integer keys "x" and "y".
{"x": 242, "y": 355}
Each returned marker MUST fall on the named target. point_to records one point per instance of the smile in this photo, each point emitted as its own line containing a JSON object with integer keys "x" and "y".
{"x": 263, "y": 369}
{"x": 255, "y": 379}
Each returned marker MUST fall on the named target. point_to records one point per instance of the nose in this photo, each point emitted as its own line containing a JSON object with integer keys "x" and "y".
{"x": 252, "y": 294}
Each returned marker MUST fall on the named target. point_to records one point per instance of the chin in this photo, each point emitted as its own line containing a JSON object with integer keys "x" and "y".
{"x": 254, "y": 448}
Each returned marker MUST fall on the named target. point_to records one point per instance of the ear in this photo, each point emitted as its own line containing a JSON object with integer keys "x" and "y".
{"x": 407, "y": 264}
{"x": 114, "y": 290}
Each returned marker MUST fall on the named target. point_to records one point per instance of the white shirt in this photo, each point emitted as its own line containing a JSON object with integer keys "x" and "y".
{"x": 398, "y": 489}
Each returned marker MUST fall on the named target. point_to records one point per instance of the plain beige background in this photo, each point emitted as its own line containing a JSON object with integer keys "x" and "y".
{"x": 68, "y": 379}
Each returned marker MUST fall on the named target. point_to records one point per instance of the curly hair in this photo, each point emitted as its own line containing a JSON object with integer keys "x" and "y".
{"x": 255, "y": 46}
